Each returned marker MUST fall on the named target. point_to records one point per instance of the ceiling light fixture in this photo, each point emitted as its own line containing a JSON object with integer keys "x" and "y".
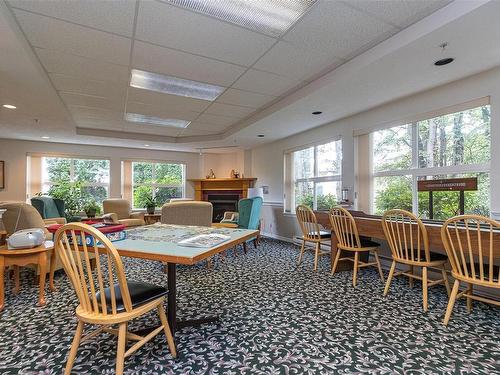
{"x": 273, "y": 18}
{"x": 143, "y": 119}
{"x": 317, "y": 113}
{"x": 9, "y": 106}
{"x": 174, "y": 86}
{"x": 445, "y": 61}
{"x": 146, "y": 145}
{"x": 45, "y": 137}
{"x": 260, "y": 135}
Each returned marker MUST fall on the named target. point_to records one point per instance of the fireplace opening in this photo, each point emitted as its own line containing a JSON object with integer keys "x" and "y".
{"x": 223, "y": 203}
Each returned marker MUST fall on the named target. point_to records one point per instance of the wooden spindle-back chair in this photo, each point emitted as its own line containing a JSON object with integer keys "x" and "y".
{"x": 311, "y": 232}
{"x": 346, "y": 232}
{"x": 474, "y": 257}
{"x": 409, "y": 243}
{"x": 105, "y": 296}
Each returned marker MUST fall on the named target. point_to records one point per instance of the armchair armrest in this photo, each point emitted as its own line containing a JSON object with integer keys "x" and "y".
{"x": 55, "y": 220}
{"x": 137, "y": 215}
{"x": 110, "y": 217}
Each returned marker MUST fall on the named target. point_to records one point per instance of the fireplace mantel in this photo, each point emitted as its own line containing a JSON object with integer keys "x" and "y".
{"x": 202, "y": 185}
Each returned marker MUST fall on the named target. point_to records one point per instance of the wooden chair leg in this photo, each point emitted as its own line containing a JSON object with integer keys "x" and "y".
{"x": 302, "y": 249}
{"x": 168, "y": 332}
{"x": 451, "y": 302}
{"x": 16, "y": 280}
{"x": 316, "y": 255}
{"x": 411, "y": 278}
{"x": 389, "y": 278}
{"x": 446, "y": 283}
{"x": 469, "y": 300}
{"x": 255, "y": 243}
{"x": 355, "y": 269}
{"x": 120, "y": 352}
{"x": 378, "y": 265}
{"x": 336, "y": 261}
{"x": 424, "y": 288}
{"x": 74, "y": 348}
{"x": 245, "y": 248}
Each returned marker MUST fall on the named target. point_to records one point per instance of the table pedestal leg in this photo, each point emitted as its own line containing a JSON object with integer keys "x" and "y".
{"x": 43, "y": 273}
{"x": 2, "y": 272}
{"x": 16, "y": 280}
{"x": 172, "y": 296}
{"x": 52, "y": 270}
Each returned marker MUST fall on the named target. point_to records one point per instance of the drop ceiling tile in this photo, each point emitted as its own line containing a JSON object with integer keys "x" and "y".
{"x": 58, "y": 62}
{"x": 86, "y": 86}
{"x": 184, "y": 65}
{"x": 101, "y": 125}
{"x": 244, "y": 98}
{"x": 398, "y": 12}
{"x": 265, "y": 83}
{"x": 160, "y": 111}
{"x": 151, "y": 129}
{"x": 113, "y": 16}
{"x": 173, "y": 27}
{"x": 217, "y": 120}
{"x": 337, "y": 28}
{"x": 45, "y": 32}
{"x": 295, "y": 62}
{"x": 112, "y": 103}
{"x": 173, "y": 102}
{"x": 229, "y": 110}
{"x": 207, "y": 127}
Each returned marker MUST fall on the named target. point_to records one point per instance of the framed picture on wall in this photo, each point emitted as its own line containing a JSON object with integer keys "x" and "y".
{"x": 2, "y": 174}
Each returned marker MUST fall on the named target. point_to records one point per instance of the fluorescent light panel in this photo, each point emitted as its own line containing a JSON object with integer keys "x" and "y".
{"x": 143, "y": 119}
{"x": 174, "y": 86}
{"x": 271, "y": 17}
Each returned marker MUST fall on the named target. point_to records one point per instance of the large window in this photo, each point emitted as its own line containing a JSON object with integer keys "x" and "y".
{"x": 159, "y": 181}
{"x": 91, "y": 175}
{"x": 448, "y": 146}
{"x": 316, "y": 175}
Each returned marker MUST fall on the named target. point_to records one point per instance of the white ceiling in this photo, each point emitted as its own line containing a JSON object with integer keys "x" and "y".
{"x": 69, "y": 66}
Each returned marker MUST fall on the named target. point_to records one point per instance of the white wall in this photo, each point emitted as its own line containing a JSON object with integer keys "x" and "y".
{"x": 14, "y": 153}
{"x": 267, "y": 161}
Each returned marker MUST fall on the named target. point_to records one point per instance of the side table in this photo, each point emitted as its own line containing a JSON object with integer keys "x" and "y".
{"x": 22, "y": 257}
{"x": 152, "y": 218}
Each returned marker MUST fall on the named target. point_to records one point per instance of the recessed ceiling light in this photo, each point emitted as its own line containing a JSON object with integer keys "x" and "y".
{"x": 9, "y": 106}
{"x": 174, "y": 86}
{"x": 317, "y": 113}
{"x": 273, "y": 18}
{"x": 445, "y": 61}
{"x": 45, "y": 137}
{"x": 146, "y": 145}
{"x": 143, "y": 119}
{"x": 260, "y": 135}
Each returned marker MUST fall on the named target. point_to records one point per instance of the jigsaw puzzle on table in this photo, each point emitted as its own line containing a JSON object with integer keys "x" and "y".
{"x": 174, "y": 233}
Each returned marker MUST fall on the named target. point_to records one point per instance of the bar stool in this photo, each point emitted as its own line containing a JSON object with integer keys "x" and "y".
{"x": 311, "y": 233}
{"x": 346, "y": 231}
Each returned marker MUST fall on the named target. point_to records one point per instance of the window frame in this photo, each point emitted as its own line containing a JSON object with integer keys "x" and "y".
{"x": 315, "y": 179}
{"x": 155, "y": 185}
{"x": 72, "y": 159}
{"x": 415, "y": 171}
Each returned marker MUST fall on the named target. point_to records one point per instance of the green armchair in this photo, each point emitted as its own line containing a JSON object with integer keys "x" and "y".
{"x": 50, "y": 209}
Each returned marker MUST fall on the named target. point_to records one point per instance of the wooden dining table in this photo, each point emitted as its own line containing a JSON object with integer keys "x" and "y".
{"x": 371, "y": 226}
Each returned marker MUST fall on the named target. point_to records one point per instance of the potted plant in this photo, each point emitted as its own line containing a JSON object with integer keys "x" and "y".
{"x": 72, "y": 195}
{"x": 150, "y": 205}
{"x": 92, "y": 209}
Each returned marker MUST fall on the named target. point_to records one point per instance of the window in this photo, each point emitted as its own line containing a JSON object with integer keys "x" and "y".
{"x": 316, "y": 176}
{"x": 448, "y": 146}
{"x": 159, "y": 181}
{"x": 91, "y": 174}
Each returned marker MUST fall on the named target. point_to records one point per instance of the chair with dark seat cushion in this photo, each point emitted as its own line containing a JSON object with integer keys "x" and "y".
{"x": 140, "y": 294}
{"x": 409, "y": 243}
{"x": 102, "y": 306}
{"x": 311, "y": 232}
{"x": 349, "y": 241}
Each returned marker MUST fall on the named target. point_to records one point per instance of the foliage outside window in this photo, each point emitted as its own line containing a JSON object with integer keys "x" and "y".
{"x": 77, "y": 181}
{"x": 449, "y": 146}
{"x": 316, "y": 173}
{"x": 157, "y": 181}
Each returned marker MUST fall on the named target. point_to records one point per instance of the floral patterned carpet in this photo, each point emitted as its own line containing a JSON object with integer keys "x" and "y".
{"x": 276, "y": 318}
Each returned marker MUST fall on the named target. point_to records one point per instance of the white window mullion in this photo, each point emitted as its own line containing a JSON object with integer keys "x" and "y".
{"x": 415, "y": 166}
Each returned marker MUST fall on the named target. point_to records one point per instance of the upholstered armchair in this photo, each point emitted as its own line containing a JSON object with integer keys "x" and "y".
{"x": 50, "y": 209}
{"x": 247, "y": 217}
{"x": 20, "y": 216}
{"x": 187, "y": 213}
{"x": 119, "y": 211}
